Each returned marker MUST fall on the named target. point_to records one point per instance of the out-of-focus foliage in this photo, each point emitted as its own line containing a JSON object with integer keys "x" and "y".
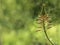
{"x": 18, "y": 25}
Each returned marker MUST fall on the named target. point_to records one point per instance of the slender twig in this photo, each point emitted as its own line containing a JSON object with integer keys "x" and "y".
{"x": 46, "y": 33}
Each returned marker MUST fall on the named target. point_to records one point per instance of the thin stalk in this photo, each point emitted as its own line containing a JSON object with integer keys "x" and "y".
{"x": 1, "y": 42}
{"x": 46, "y": 33}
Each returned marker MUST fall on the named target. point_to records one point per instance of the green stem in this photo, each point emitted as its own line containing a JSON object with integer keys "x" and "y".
{"x": 46, "y": 33}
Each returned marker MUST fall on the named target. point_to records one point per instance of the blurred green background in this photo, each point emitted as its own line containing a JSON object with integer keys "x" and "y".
{"x": 18, "y": 22}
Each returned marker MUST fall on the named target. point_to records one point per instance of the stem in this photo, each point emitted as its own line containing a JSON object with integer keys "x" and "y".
{"x": 46, "y": 33}
{"x": 0, "y": 29}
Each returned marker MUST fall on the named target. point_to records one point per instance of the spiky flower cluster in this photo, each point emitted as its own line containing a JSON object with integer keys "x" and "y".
{"x": 47, "y": 21}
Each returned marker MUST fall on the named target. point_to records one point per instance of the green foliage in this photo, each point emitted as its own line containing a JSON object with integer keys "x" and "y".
{"x": 19, "y": 24}
{"x": 19, "y": 16}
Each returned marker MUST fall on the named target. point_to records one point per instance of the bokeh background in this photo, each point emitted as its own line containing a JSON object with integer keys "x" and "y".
{"x": 18, "y": 22}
